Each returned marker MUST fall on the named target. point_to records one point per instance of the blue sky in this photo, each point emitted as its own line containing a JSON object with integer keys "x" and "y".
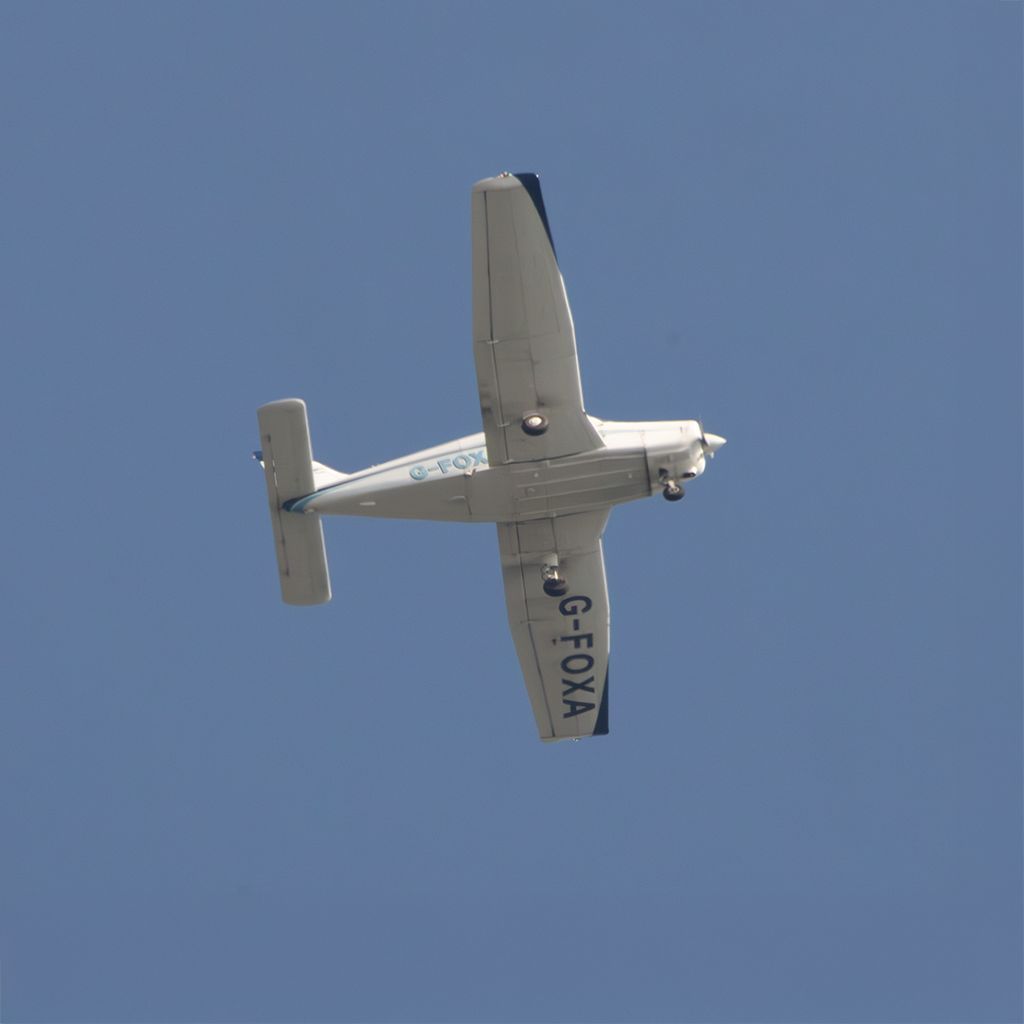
{"x": 799, "y": 221}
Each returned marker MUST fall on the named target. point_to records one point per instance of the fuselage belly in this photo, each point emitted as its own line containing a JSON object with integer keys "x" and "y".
{"x": 455, "y": 482}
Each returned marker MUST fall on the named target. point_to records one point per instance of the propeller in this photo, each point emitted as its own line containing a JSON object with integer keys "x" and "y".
{"x": 710, "y": 443}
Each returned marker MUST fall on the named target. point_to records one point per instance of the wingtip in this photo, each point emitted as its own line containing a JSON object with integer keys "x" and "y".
{"x": 506, "y": 179}
{"x": 601, "y": 725}
{"x": 529, "y": 181}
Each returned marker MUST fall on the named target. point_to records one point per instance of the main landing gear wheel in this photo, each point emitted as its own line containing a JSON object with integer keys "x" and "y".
{"x": 673, "y": 492}
{"x": 534, "y": 424}
{"x": 556, "y": 586}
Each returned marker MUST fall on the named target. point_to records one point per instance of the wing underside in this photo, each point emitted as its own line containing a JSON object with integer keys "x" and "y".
{"x": 524, "y": 343}
{"x": 562, "y": 643}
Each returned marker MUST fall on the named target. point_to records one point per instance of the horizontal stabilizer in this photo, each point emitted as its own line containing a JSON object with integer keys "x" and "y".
{"x": 287, "y": 459}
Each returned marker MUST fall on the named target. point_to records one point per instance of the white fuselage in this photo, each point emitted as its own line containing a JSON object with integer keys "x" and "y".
{"x": 454, "y": 481}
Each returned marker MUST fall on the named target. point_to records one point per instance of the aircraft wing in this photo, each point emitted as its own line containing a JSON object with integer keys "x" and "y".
{"x": 523, "y": 338}
{"x": 562, "y": 643}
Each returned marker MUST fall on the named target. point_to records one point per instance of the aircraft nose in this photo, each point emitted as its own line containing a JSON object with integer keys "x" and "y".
{"x": 713, "y": 442}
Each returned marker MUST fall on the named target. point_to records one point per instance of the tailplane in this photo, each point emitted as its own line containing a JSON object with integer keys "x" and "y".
{"x": 287, "y": 460}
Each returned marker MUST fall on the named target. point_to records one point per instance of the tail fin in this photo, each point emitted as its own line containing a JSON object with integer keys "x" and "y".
{"x": 287, "y": 460}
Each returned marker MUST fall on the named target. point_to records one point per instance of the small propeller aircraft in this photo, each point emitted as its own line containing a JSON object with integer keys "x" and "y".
{"x": 543, "y": 470}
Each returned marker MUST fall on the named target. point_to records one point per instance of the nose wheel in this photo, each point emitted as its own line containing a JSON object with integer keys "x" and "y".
{"x": 673, "y": 491}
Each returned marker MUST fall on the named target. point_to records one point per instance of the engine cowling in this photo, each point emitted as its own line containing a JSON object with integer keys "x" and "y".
{"x": 674, "y": 451}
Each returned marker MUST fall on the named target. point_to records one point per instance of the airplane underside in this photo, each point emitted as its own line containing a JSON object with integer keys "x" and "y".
{"x": 542, "y": 469}
{"x": 459, "y": 485}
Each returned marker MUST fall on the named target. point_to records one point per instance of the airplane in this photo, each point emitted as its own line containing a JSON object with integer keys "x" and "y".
{"x": 543, "y": 470}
